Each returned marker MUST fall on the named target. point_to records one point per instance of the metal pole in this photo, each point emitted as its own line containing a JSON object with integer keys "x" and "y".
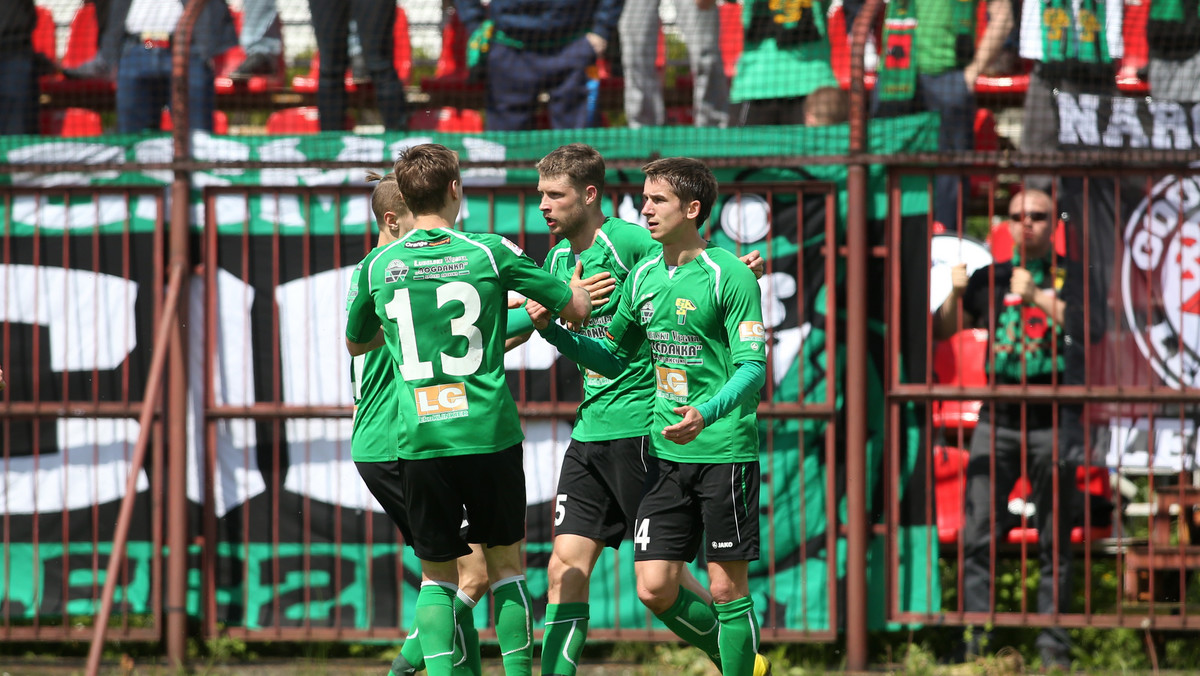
{"x": 176, "y": 410}
{"x": 857, "y": 251}
{"x": 146, "y": 425}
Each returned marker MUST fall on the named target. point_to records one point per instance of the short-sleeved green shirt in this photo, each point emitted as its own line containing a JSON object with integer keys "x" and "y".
{"x": 617, "y": 408}
{"x": 441, "y": 298}
{"x": 375, "y": 436}
{"x": 701, "y": 319}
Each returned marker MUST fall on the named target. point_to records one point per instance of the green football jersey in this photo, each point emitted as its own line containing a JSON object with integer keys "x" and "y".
{"x": 701, "y": 320}
{"x": 441, "y": 298}
{"x": 375, "y": 435}
{"x": 617, "y": 408}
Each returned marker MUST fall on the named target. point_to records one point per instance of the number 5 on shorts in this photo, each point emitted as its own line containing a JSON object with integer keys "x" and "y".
{"x": 560, "y": 509}
{"x": 641, "y": 535}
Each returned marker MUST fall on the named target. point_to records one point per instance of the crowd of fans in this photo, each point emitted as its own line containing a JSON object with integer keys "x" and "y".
{"x": 931, "y": 57}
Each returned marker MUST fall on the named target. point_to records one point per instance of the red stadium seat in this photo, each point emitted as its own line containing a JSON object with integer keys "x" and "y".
{"x": 732, "y": 38}
{"x": 401, "y": 59}
{"x": 1130, "y": 75}
{"x": 81, "y": 48}
{"x": 1091, "y": 481}
{"x": 299, "y": 120}
{"x": 44, "y": 39}
{"x": 227, "y": 62}
{"x": 447, "y": 119}
{"x": 450, "y": 75}
{"x": 950, "y": 488}
{"x": 70, "y": 122}
{"x": 960, "y": 360}
{"x": 220, "y": 122}
{"x": 950, "y": 485}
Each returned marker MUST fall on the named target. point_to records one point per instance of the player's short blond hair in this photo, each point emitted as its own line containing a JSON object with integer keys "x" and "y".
{"x": 386, "y": 196}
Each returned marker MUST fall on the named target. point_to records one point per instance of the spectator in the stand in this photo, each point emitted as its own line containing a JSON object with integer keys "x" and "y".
{"x": 261, "y": 38}
{"x": 699, "y": 24}
{"x": 147, "y": 29}
{"x": 375, "y": 20}
{"x": 785, "y": 58}
{"x": 540, "y": 46}
{"x": 1035, "y": 301}
{"x": 826, "y": 106}
{"x": 930, "y": 61}
{"x": 1076, "y": 56}
{"x": 108, "y": 50}
{"x": 18, "y": 70}
{"x": 1173, "y": 36}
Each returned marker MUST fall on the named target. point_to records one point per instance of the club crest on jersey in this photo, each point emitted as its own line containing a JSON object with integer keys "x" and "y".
{"x": 395, "y": 271}
{"x": 1161, "y": 268}
{"x": 682, "y": 307}
{"x": 647, "y": 311}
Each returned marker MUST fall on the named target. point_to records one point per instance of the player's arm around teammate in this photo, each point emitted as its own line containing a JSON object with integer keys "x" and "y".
{"x": 701, "y": 312}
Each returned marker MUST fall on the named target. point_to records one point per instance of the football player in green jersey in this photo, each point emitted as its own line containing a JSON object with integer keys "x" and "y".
{"x": 375, "y": 439}
{"x": 463, "y": 435}
{"x": 605, "y": 466}
{"x": 699, "y": 310}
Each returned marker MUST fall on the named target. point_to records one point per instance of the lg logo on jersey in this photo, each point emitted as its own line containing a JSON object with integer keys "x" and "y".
{"x": 672, "y": 381}
{"x": 438, "y": 402}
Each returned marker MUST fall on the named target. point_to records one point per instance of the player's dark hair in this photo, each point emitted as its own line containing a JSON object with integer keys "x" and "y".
{"x": 579, "y": 162}
{"x": 690, "y": 180}
{"x": 423, "y": 172}
{"x": 386, "y": 196}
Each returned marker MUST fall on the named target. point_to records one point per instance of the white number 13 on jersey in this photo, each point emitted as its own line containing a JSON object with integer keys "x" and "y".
{"x": 399, "y": 309}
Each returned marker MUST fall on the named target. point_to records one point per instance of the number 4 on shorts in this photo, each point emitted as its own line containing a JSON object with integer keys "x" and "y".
{"x": 641, "y": 535}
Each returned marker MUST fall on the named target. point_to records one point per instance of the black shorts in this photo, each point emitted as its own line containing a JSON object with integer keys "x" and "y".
{"x": 599, "y": 488}
{"x": 489, "y": 486}
{"x": 690, "y": 501}
{"x": 383, "y": 479}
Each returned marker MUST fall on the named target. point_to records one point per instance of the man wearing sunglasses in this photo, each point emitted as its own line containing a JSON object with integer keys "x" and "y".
{"x": 1024, "y": 303}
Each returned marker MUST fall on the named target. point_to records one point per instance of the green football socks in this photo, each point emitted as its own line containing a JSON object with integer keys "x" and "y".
{"x": 410, "y": 660}
{"x": 694, "y": 621}
{"x": 562, "y": 643}
{"x": 514, "y": 625}
{"x": 435, "y": 623}
{"x": 464, "y": 615}
{"x": 738, "y": 636}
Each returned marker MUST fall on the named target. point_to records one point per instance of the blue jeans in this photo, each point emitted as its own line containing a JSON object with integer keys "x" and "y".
{"x": 946, "y": 94}
{"x": 260, "y": 28}
{"x": 144, "y": 88}
{"x": 512, "y": 99}
{"x": 18, "y": 94}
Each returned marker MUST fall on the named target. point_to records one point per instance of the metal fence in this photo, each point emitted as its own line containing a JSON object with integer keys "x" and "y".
{"x": 234, "y": 500}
